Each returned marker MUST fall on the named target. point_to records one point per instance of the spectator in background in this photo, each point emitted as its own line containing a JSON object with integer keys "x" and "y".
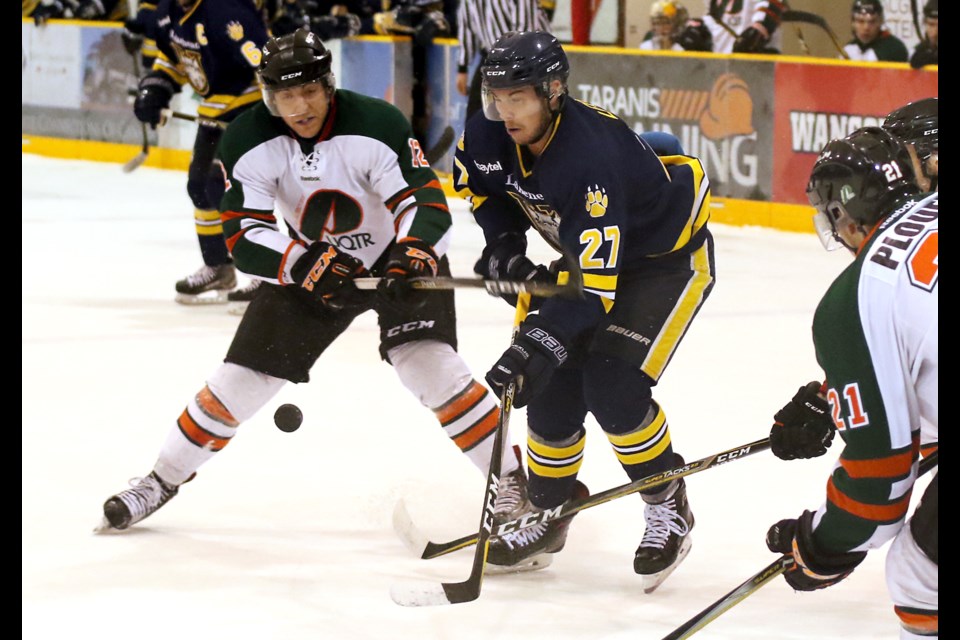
{"x": 927, "y": 50}
{"x": 75, "y": 9}
{"x": 871, "y": 42}
{"x": 671, "y": 29}
{"x": 480, "y": 23}
{"x": 748, "y": 26}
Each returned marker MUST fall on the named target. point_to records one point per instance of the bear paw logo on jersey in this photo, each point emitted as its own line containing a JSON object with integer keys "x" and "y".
{"x": 596, "y": 201}
{"x": 235, "y": 30}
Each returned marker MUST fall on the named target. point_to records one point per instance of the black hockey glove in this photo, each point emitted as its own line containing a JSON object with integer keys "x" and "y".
{"x": 154, "y": 93}
{"x": 803, "y": 428}
{"x": 530, "y": 361}
{"x": 410, "y": 258}
{"x": 506, "y": 259}
{"x": 751, "y": 40}
{"x": 324, "y": 277}
{"x": 811, "y": 569}
{"x": 132, "y": 35}
{"x": 695, "y": 36}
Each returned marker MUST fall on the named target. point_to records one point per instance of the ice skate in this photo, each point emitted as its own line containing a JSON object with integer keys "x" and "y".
{"x": 666, "y": 540}
{"x": 208, "y": 285}
{"x": 239, "y": 299}
{"x": 530, "y": 549}
{"x": 132, "y": 505}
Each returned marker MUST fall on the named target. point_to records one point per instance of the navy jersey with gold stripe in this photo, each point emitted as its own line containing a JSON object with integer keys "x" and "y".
{"x": 597, "y": 189}
{"x": 214, "y": 46}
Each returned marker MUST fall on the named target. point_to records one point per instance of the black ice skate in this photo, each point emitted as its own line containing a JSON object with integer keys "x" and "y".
{"x": 666, "y": 540}
{"x": 208, "y": 285}
{"x": 132, "y": 505}
{"x": 240, "y": 298}
{"x": 529, "y": 549}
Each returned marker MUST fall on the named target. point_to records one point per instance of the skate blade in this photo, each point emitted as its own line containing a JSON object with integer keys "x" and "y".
{"x": 207, "y": 297}
{"x": 104, "y": 526}
{"x": 654, "y": 580}
{"x": 533, "y": 563}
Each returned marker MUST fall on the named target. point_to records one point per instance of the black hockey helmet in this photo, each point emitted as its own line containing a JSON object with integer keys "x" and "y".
{"x": 521, "y": 58}
{"x": 930, "y": 10}
{"x": 859, "y": 178}
{"x": 918, "y": 124}
{"x": 867, "y": 6}
{"x": 291, "y": 60}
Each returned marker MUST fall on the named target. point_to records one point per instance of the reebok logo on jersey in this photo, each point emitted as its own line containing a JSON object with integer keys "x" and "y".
{"x": 488, "y": 167}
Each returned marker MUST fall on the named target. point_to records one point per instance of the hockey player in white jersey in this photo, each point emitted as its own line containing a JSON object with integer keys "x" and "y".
{"x": 350, "y": 182}
{"x": 876, "y": 337}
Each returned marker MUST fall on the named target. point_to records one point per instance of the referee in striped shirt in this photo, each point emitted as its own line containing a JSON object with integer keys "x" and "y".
{"x": 480, "y": 23}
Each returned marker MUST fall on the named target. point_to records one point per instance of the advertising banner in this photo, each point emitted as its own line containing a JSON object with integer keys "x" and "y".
{"x": 720, "y": 109}
{"x": 817, "y": 103}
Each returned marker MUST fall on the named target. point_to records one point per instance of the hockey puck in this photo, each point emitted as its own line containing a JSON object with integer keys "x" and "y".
{"x": 288, "y": 417}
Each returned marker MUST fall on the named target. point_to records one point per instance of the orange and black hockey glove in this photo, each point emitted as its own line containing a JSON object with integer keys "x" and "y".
{"x": 408, "y": 259}
{"x": 324, "y": 277}
{"x": 811, "y": 569}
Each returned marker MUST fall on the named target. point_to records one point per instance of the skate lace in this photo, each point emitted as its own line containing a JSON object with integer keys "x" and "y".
{"x": 662, "y": 520}
{"x": 523, "y": 537}
{"x": 143, "y": 498}
{"x": 509, "y": 494}
{"x": 204, "y": 275}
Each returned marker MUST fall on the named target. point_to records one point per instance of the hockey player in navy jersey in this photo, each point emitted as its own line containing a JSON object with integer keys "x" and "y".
{"x": 214, "y": 47}
{"x": 586, "y": 182}
{"x": 348, "y": 181}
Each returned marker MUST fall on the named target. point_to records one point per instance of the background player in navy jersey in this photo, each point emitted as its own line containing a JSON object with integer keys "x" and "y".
{"x": 593, "y": 188}
{"x": 215, "y": 48}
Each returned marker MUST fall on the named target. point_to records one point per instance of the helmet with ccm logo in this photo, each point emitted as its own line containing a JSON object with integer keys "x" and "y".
{"x": 523, "y": 58}
{"x": 292, "y": 60}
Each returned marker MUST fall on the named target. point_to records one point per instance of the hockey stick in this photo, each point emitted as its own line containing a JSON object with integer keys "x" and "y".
{"x": 443, "y": 144}
{"x": 203, "y": 122}
{"x": 420, "y": 545}
{"x": 456, "y": 592}
{"x": 137, "y": 160}
{"x": 755, "y": 581}
{"x": 816, "y": 20}
{"x": 573, "y": 288}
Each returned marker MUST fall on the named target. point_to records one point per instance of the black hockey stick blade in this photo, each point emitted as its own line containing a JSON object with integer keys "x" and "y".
{"x": 428, "y": 550}
{"x": 816, "y": 20}
{"x": 731, "y": 599}
{"x": 572, "y": 288}
{"x": 443, "y": 144}
{"x": 432, "y": 594}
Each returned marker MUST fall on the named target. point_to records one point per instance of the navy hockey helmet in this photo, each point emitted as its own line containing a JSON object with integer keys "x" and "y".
{"x": 292, "y": 60}
{"x": 521, "y": 58}
{"x": 918, "y": 124}
{"x": 859, "y": 179}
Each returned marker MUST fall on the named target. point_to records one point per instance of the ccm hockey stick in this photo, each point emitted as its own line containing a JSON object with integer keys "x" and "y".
{"x": 414, "y": 540}
{"x": 419, "y": 595}
{"x": 572, "y": 288}
{"x": 754, "y": 582}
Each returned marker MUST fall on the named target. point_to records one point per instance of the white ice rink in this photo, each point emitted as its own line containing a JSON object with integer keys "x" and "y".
{"x": 288, "y": 536}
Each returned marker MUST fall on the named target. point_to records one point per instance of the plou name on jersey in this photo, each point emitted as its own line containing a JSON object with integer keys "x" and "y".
{"x": 891, "y": 250}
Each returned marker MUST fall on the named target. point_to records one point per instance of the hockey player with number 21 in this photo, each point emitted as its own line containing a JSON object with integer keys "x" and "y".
{"x": 876, "y": 336}
{"x": 349, "y": 179}
{"x": 583, "y": 179}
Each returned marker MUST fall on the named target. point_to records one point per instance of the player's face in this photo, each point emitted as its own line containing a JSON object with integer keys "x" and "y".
{"x": 866, "y": 26}
{"x": 304, "y": 108}
{"x": 932, "y": 27}
{"x": 662, "y": 27}
{"x": 524, "y": 114}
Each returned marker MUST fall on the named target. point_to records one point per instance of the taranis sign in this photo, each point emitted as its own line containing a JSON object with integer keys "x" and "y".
{"x": 719, "y": 109}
